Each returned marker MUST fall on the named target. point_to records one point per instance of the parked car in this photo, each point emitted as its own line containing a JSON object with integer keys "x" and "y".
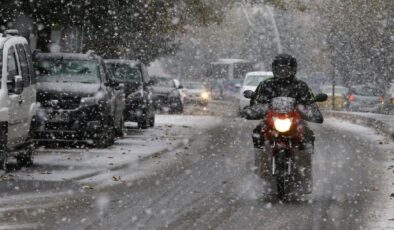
{"x": 340, "y": 100}
{"x": 166, "y": 94}
{"x": 251, "y": 81}
{"x": 139, "y": 103}
{"x": 196, "y": 92}
{"x": 17, "y": 100}
{"x": 388, "y": 104}
{"x": 79, "y": 99}
{"x": 364, "y": 98}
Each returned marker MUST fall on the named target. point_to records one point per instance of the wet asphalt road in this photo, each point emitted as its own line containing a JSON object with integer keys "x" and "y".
{"x": 210, "y": 185}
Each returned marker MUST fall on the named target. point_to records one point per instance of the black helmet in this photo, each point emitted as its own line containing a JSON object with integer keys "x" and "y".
{"x": 284, "y": 66}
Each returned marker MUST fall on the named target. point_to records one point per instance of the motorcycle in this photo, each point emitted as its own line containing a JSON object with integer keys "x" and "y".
{"x": 284, "y": 159}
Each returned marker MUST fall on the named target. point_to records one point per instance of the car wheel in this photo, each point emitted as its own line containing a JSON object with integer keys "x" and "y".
{"x": 27, "y": 159}
{"x": 152, "y": 121}
{"x": 3, "y": 160}
{"x": 106, "y": 136}
{"x": 119, "y": 130}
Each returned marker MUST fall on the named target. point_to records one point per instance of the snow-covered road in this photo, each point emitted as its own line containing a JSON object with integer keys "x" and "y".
{"x": 200, "y": 177}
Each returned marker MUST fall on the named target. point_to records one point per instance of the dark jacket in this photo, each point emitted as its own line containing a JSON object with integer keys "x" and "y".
{"x": 277, "y": 87}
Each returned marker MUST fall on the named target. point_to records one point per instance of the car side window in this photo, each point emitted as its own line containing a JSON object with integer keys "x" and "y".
{"x": 12, "y": 65}
{"x": 24, "y": 65}
{"x": 29, "y": 57}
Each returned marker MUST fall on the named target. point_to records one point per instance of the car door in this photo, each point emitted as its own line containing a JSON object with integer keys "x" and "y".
{"x": 18, "y": 124}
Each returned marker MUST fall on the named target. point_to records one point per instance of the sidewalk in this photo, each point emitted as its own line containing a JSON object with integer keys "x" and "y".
{"x": 380, "y": 122}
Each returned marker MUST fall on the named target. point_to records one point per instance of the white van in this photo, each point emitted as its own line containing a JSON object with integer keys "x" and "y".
{"x": 252, "y": 80}
{"x": 17, "y": 99}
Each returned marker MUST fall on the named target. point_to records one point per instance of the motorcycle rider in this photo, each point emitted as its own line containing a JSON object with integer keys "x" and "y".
{"x": 284, "y": 84}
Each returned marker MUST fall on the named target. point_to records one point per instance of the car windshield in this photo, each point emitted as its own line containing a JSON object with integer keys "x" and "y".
{"x": 254, "y": 80}
{"x": 367, "y": 91}
{"x": 193, "y": 85}
{"x": 338, "y": 90}
{"x": 164, "y": 82}
{"x": 65, "y": 70}
{"x": 125, "y": 73}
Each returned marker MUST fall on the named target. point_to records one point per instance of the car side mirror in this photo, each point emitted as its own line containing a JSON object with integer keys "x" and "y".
{"x": 112, "y": 83}
{"x": 16, "y": 86}
{"x": 238, "y": 86}
{"x": 151, "y": 82}
{"x": 120, "y": 86}
{"x": 321, "y": 97}
{"x": 180, "y": 87}
{"x": 249, "y": 94}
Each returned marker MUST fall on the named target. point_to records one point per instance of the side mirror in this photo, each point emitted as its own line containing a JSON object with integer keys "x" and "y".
{"x": 151, "y": 82}
{"x": 238, "y": 86}
{"x": 321, "y": 97}
{"x": 180, "y": 87}
{"x": 249, "y": 94}
{"x": 120, "y": 86}
{"x": 112, "y": 83}
{"x": 16, "y": 86}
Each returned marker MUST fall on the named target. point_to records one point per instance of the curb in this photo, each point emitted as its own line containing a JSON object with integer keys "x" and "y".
{"x": 374, "y": 123}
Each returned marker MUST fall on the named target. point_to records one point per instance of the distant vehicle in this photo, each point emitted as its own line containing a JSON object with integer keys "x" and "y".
{"x": 251, "y": 81}
{"x": 388, "y": 104}
{"x": 17, "y": 100}
{"x": 340, "y": 100}
{"x": 166, "y": 94}
{"x": 225, "y": 74}
{"x": 365, "y": 98}
{"x": 139, "y": 103}
{"x": 79, "y": 99}
{"x": 196, "y": 92}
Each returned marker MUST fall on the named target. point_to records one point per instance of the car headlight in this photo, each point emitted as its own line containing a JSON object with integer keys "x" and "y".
{"x": 205, "y": 95}
{"x": 174, "y": 93}
{"x": 136, "y": 95}
{"x": 95, "y": 100}
{"x": 282, "y": 125}
{"x": 88, "y": 101}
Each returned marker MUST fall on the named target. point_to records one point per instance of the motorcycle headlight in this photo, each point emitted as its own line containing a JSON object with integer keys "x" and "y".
{"x": 282, "y": 125}
{"x": 205, "y": 95}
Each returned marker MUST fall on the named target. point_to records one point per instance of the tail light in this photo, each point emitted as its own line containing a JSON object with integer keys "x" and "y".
{"x": 351, "y": 97}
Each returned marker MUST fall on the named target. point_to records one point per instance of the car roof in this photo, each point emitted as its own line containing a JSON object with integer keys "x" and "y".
{"x": 133, "y": 63}
{"x": 72, "y": 56}
{"x": 260, "y": 73}
{"x": 18, "y": 39}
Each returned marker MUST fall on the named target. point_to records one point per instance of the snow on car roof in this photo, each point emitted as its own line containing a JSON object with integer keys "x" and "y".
{"x": 74, "y": 56}
{"x": 260, "y": 73}
{"x": 122, "y": 61}
{"x": 226, "y": 61}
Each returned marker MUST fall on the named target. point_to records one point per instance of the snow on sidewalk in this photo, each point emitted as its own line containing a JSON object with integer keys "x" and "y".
{"x": 382, "y": 212}
{"x": 95, "y": 165}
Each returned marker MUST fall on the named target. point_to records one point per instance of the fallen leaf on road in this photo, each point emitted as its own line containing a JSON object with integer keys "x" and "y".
{"x": 114, "y": 178}
{"x": 87, "y": 187}
{"x": 392, "y": 194}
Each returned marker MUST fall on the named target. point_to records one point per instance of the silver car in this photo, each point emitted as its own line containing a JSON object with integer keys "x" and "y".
{"x": 364, "y": 98}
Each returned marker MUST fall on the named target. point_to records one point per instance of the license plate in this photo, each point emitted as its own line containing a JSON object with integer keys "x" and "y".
{"x": 59, "y": 117}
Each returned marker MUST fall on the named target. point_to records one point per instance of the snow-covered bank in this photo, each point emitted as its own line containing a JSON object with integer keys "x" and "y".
{"x": 381, "y": 215}
{"x": 88, "y": 168}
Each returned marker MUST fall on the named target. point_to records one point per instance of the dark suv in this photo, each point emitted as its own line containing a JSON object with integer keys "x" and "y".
{"x": 79, "y": 99}
{"x": 139, "y": 103}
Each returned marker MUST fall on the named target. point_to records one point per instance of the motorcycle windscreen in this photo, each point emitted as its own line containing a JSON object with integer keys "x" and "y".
{"x": 283, "y": 104}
